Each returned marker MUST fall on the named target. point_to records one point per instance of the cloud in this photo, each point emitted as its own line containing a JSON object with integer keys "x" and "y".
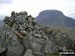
{"x": 33, "y": 7}
{"x": 5, "y": 1}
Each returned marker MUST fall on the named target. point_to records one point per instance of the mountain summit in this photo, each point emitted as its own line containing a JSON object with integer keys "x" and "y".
{"x": 21, "y": 35}
{"x": 55, "y": 18}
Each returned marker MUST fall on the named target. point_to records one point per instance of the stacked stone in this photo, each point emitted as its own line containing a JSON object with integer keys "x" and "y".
{"x": 27, "y": 30}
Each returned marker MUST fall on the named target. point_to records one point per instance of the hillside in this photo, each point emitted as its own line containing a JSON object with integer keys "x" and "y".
{"x": 55, "y": 18}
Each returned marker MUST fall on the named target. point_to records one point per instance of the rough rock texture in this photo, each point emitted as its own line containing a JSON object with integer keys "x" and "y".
{"x": 30, "y": 45}
{"x": 50, "y": 47}
{"x": 11, "y": 43}
{"x": 28, "y": 53}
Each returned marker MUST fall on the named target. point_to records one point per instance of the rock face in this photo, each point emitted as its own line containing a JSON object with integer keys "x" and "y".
{"x": 28, "y": 53}
{"x": 50, "y": 47}
{"x": 25, "y": 38}
{"x": 63, "y": 40}
{"x": 11, "y": 43}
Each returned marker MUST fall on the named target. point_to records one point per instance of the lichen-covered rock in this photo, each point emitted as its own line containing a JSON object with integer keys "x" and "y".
{"x": 50, "y": 47}
{"x": 21, "y": 19}
{"x": 28, "y": 52}
{"x": 62, "y": 40}
{"x": 11, "y": 43}
{"x": 32, "y": 43}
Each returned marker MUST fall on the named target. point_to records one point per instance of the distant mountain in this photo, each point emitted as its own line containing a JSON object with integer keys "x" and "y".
{"x": 1, "y": 17}
{"x": 55, "y": 18}
{"x": 1, "y": 20}
{"x": 1, "y": 23}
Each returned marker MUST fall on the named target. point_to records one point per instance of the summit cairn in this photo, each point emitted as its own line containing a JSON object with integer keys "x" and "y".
{"x": 27, "y": 30}
{"x": 22, "y": 24}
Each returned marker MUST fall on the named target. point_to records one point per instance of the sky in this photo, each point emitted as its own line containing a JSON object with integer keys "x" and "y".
{"x": 34, "y": 7}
